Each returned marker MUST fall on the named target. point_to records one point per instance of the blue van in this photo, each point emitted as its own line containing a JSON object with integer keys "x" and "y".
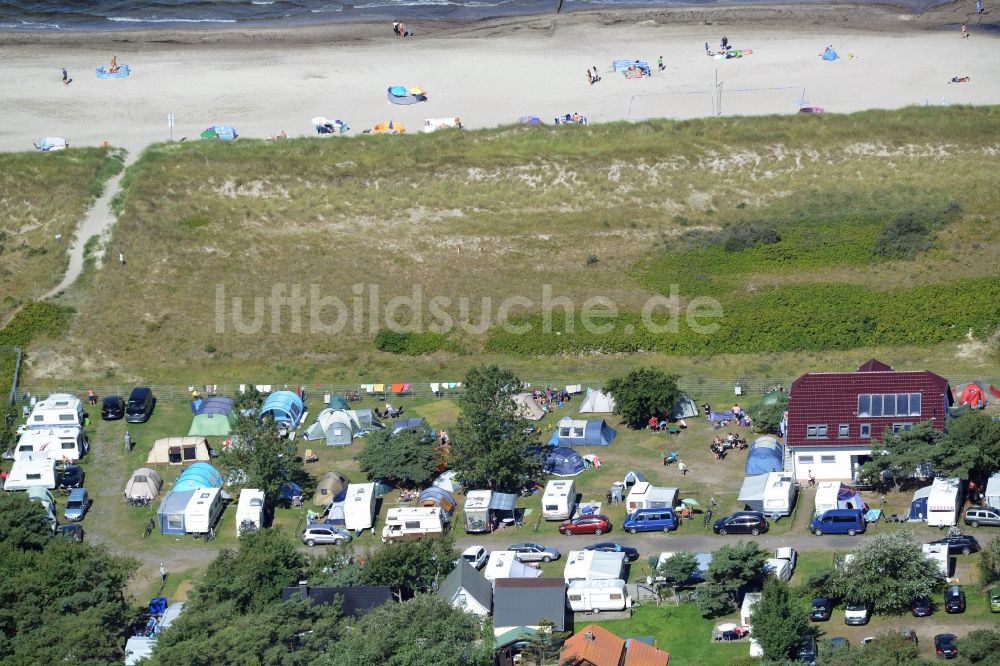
{"x": 650, "y": 520}
{"x": 838, "y": 521}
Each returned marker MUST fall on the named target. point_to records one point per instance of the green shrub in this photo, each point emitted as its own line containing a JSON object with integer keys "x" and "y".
{"x": 408, "y": 343}
{"x": 905, "y": 236}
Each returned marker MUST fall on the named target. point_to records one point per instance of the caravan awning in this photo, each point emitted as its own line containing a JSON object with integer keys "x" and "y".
{"x": 502, "y": 502}
{"x": 752, "y": 491}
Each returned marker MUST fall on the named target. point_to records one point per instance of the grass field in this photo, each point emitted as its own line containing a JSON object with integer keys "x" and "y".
{"x": 545, "y": 214}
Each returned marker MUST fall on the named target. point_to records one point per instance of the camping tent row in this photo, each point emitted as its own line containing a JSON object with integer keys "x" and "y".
{"x": 178, "y": 451}
{"x": 562, "y": 461}
{"x": 341, "y": 426}
{"x": 213, "y": 417}
{"x": 766, "y": 455}
{"x": 573, "y": 432}
{"x": 772, "y": 493}
{"x": 283, "y": 407}
{"x": 144, "y": 483}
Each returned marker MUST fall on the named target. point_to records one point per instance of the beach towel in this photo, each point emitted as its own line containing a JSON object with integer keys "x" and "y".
{"x": 720, "y": 416}
{"x": 435, "y": 387}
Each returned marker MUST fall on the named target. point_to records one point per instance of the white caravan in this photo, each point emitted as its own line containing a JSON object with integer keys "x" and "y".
{"x": 779, "y": 494}
{"x": 203, "y": 510}
{"x": 31, "y": 469}
{"x": 412, "y": 522}
{"x": 585, "y": 596}
{"x": 60, "y": 444}
{"x": 559, "y": 499}
{"x": 250, "y": 510}
{"x": 944, "y": 503}
{"x": 359, "y": 506}
{"x": 59, "y": 410}
{"x": 593, "y": 565}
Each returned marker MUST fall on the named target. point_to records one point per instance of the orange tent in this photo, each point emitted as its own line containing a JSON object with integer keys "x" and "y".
{"x": 973, "y": 396}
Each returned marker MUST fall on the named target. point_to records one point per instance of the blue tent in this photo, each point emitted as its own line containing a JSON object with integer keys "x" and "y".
{"x": 766, "y": 455}
{"x": 407, "y": 424}
{"x": 572, "y": 432}
{"x": 220, "y": 132}
{"x": 829, "y": 54}
{"x": 215, "y": 405}
{"x": 918, "y": 506}
{"x": 289, "y": 491}
{"x": 198, "y": 475}
{"x": 283, "y": 407}
{"x": 171, "y": 512}
{"x": 562, "y": 461}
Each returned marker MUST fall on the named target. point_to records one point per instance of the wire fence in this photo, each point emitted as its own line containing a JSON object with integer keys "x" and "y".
{"x": 16, "y": 352}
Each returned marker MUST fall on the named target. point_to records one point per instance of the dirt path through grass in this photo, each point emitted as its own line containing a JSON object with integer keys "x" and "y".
{"x": 96, "y": 222}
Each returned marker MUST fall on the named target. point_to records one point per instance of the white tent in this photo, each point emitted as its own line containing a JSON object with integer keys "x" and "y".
{"x": 597, "y": 402}
{"x": 593, "y": 565}
{"x": 992, "y": 497}
{"x": 448, "y": 480}
{"x": 832, "y": 495}
{"x": 144, "y": 482}
{"x": 528, "y": 408}
{"x": 504, "y": 564}
{"x": 647, "y": 496}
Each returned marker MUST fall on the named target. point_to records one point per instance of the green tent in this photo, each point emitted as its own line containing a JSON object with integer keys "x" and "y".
{"x": 212, "y": 425}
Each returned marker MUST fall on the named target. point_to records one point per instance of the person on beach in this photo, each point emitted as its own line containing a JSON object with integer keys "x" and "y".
{"x": 590, "y": 78}
{"x": 66, "y": 79}
{"x": 659, "y": 63}
{"x": 402, "y": 30}
{"x": 965, "y": 31}
{"x": 395, "y": 28}
{"x": 597, "y": 77}
{"x": 979, "y": 6}
{"x": 960, "y": 79}
{"x": 114, "y": 65}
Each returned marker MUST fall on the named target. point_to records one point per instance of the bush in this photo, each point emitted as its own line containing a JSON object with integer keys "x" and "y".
{"x": 903, "y": 237}
{"x": 743, "y": 237}
{"x": 819, "y": 582}
{"x": 409, "y": 344}
{"x": 989, "y": 562}
{"x": 713, "y": 600}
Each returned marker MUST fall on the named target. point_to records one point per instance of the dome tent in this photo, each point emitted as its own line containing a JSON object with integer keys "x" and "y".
{"x": 766, "y": 455}
{"x": 283, "y": 407}
{"x": 563, "y": 461}
{"x": 145, "y": 483}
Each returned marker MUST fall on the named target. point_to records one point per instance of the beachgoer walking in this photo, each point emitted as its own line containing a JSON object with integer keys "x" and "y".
{"x": 979, "y": 6}
{"x": 66, "y": 79}
{"x": 91, "y": 396}
{"x": 682, "y": 468}
{"x": 128, "y": 441}
{"x": 590, "y": 78}
{"x": 395, "y": 28}
{"x": 965, "y": 31}
{"x": 660, "y": 64}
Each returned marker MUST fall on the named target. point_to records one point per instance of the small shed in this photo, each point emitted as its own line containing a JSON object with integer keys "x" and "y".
{"x": 144, "y": 483}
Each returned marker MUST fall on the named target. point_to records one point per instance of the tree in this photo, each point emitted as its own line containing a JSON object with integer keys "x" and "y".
{"x": 989, "y": 562}
{"x": 737, "y": 567}
{"x": 409, "y": 567}
{"x": 408, "y": 457}
{"x": 423, "y": 630}
{"x": 779, "y": 622}
{"x": 493, "y": 446}
{"x": 975, "y": 438}
{"x": 713, "y": 600}
{"x": 902, "y": 453}
{"x": 819, "y": 583}
{"x": 767, "y": 413}
{"x": 888, "y": 649}
{"x": 545, "y": 645}
{"x": 336, "y": 568}
{"x": 676, "y": 570}
{"x": 258, "y": 458}
{"x": 888, "y": 572}
{"x": 249, "y": 399}
{"x": 643, "y": 393}
{"x": 980, "y": 646}
{"x": 23, "y": 524}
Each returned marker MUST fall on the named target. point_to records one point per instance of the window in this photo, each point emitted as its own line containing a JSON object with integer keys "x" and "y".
{"x": 866, "y": 430}
{"x": 827, "y": 460}
{"x": 577, "y": 431}
{"x": 34, "y": 477}
{"x": 816, "y": 431}
{"x": 461, "y": 599}
{"x": 844, "y": 430}
{"x": 899, "y": 427}
{"x": 864, "y": 405}
{"x": 69, "y": 418}
{"x": 903, "y": 404}
{"x": 189, "y": 453}
{"x": 914, "y": 404}
{"x": 805, "y": 460}
{"x": 876, "y": 405}
{"x": 412, "y": 524}
{"x": 175, "y": 521}
{"x": 68, "y": 445}
{"x": 889, "y": 405}
{"x": 572, "y": 597}
{"x": 564, "y": 432}
{"x": 39, "y": 418}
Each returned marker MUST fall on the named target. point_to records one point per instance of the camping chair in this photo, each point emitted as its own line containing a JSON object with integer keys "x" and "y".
{"x": 297, "y": 501}
{"x": 310, "y": 456}
{"x": 673, "y": 430}
{"x": 670, "y": 457}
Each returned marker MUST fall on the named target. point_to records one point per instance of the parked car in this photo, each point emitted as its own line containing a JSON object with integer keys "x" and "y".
{"x": 909, "y": 634}
{"x": 741, "y": 522}
{"x": 820, "y": 610}
{"x": 325, "y": 533}
{"x": 76, "y": 505}
{"x": 982, "y": 515}
{"x": 945, "y": 646}
{"x": 921, "y": 607}
{"x": 650, "y": 520}
{"x": 806, "y": 654}
{"x": 631, "y": 554}
{"x": 954, "y": 600}
{"x": 838, "y": 521}
{"x": 71, "y": 477}
{"x": 140, "y": 405}
{"x": 857, "y": 612}
{"x": 73, "y": 532}
{"x": 476, "y": 556}
{"x": 112, "y": 408}
{"x": 594, "y": 524}
{"x": 959, "y": 544}
{"x": 532, "y": 552}
{"x": 994, "y": 599}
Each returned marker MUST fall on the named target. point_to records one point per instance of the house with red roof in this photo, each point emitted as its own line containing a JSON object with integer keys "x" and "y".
{"x": 596, "y": 646}
{"x": 834, "y": 416}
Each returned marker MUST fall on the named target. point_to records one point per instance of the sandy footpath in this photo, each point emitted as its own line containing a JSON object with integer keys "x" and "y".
{"x": 488, "y": 74}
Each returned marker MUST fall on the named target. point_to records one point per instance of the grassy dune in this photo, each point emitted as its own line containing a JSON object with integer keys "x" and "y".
{"x": 43, "y": 196}
{"x": 603, "y": 210}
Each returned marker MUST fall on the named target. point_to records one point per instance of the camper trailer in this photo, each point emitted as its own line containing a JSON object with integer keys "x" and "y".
{"x": 938, "y": 553}
{"x": 32, "y": 468}
{"x": 593, "y": 565}
{"x": 359, "y": 506}
{"x": 586, "y": 596}
{"x": 59, "y": 410}
{"x": 944, "y": 503}
{"x": 559, "y": 499}
{"x": 779, "y": 494}
{"x": 60, "y": 444}
{"x": 203, "y": 510}
{"x": 412, "y": 522}
{"x": 250, "y": 510}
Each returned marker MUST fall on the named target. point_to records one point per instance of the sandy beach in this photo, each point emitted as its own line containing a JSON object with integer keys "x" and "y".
{"x": 490, "y": 72}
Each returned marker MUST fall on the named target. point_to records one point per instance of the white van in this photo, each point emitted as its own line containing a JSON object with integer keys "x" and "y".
{"x": 31, "y": 468}
{"x": 203, "y": 510}
{"x": 559, "y": 499}
{"x": 59, "y": 410}
{"x": 412, "y": 522}
{"x": 359, "y": 506}
{"x": 60, "y": 444}
{"x": 585, "y": 596}
{"x": 250, "y": 510}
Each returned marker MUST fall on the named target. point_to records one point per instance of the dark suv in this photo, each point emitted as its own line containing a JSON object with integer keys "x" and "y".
{"x": 959, "y": 544}
{"x": 112, "y": 408}
{"x": 954, "y": 600}
{"x": 140, "y": 405}
{"x": 820, "y": 610}
{"x": 921, "y": 607}
{"x": 741, "y": 522}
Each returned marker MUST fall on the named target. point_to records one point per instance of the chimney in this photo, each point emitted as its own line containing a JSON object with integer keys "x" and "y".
{"x": 589, "y": 636}
{"x": 304, "y": 588}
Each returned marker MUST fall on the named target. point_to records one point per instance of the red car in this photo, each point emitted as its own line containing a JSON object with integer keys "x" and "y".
{"x": 586, "y": 525}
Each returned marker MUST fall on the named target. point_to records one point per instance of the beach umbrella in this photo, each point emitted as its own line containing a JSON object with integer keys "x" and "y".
{"x": 397, "y": 91}
{"x": 416, "y": 90}
{"x": 320, "y": 120}
{"x": 689, "y": 502}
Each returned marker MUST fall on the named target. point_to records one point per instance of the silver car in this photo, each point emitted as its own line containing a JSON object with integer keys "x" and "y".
{"x": 532, "y": 552}
{"x": 76, "y": 505}
{"x": 323, "y": 533}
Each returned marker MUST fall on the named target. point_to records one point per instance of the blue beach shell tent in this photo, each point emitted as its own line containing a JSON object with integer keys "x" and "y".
{"x": 220, "y": 132}
{"x": 829, "y": 54}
